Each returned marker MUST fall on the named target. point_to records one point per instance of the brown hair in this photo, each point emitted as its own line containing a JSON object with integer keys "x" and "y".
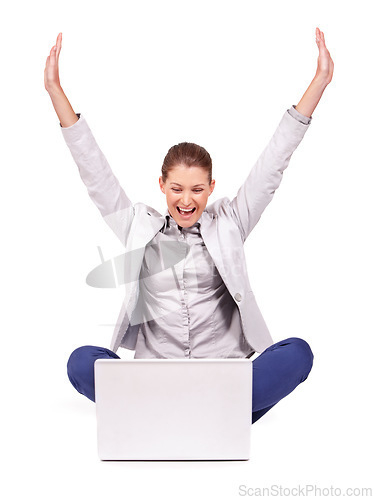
{"x": 188, "y": 154}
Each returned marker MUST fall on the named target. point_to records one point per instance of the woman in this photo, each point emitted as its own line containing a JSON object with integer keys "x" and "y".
{"x": 188, "y": 291}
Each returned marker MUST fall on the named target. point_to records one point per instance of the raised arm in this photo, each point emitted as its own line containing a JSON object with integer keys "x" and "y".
{"x": 266, "y": 175}
{"x": 102, "y": 185}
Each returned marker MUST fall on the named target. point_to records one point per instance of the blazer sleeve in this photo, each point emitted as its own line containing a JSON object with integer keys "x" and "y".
{"x": 266, "y": 174}
{"x": 102, "y": 185}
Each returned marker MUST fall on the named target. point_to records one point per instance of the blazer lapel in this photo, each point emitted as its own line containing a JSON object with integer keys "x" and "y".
{"x": 211, "y": 240}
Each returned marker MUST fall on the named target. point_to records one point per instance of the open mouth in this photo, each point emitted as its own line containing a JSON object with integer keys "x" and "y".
{"x": 186, "y": 212}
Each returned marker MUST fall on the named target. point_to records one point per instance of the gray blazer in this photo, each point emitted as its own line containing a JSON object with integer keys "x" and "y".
{"x": 225, "y": 224}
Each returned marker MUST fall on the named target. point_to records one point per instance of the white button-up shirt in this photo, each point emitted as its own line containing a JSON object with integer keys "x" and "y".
{"x": 187, "y": 309}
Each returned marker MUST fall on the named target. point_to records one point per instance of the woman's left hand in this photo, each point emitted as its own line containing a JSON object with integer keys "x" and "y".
{"x": 325, "y": 65}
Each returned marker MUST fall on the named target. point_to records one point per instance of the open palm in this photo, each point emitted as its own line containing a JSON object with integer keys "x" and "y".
{"x": 51, "y": 71}
{"x": 325, "y": 65}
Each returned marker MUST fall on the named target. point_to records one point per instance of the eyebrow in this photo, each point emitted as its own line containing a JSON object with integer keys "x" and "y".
{"x": 177, "y": 184}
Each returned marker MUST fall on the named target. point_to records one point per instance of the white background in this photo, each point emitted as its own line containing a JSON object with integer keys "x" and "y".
{"x": 147, "y": 75}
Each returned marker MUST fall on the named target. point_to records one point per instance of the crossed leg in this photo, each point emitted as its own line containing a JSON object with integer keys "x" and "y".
{"x": 276, "y": 372}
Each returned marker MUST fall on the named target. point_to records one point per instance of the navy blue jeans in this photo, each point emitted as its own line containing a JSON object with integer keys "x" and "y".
{"x": 276, "y": 372}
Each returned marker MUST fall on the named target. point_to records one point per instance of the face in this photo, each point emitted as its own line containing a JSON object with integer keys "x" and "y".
{"x": 186, "y": 188}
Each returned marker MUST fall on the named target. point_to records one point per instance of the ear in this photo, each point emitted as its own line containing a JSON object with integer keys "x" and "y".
{"x": 161, "y": 184}
{"x": 212, "y": 186}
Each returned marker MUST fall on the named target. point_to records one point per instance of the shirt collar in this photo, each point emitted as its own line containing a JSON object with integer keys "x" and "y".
{"x": 171, "y": 221}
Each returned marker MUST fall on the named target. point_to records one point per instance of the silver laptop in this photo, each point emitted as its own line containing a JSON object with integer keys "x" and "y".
{"x": 173, "y": 409}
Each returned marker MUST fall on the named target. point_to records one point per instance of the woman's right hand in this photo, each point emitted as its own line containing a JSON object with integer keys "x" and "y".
{"x": 51, "y": 72}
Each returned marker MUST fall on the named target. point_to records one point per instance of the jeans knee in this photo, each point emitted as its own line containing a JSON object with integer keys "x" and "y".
{"x": 78, "y": 362}
{"x": 80, "y": 367}
{"x": 304, "y": 354}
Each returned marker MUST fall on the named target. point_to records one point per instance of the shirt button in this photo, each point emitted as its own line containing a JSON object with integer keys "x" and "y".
{"x": 238, "y": 297}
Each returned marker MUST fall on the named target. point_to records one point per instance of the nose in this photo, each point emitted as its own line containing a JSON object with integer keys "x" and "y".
{"x": 185, "y": 199}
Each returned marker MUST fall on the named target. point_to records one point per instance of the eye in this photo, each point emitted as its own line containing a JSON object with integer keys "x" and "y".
{"x": 176, "y": 190}
{"x": 198, "y": 190}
